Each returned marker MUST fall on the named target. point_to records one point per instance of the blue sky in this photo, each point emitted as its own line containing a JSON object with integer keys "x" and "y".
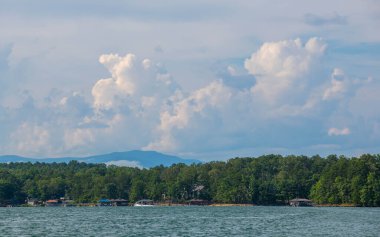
{"x": 200, "y": 79}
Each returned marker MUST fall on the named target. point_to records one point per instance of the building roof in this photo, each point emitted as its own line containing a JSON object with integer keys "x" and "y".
{"x": 300, "y": 200}
{"x": 52, "y": 201}
{"x": 104, "y": 200}
{"x": 145, "y": 200}
{"x": 198, "y": 188}
{"x": 118, "y": 200}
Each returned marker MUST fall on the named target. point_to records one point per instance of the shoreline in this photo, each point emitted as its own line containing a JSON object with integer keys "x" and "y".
{"x": 230, "y": 205}
{"x": 337, "y": 205}
{"x": 210, "y": 205}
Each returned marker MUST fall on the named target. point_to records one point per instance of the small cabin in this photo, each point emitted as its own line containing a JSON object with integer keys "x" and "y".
{"x": 33, "y": 202}
{"x": 300, "y": 202}
{"x": 67, "y": 202}
{"x": 104, "y": 202}
{"x": 197, "y": 191}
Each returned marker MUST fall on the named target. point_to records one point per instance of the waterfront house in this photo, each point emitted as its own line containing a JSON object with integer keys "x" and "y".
{"x": 119, "y": 202}
{"x": 33, "y": 202}
{"x": 197, "y": 191}
{"x": 67, "y": 202}
{"x": 104, "y": 202}
{"x": 53, "y": 203}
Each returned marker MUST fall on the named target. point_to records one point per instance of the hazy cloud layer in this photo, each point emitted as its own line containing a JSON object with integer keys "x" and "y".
{"x": 332, "y": 19}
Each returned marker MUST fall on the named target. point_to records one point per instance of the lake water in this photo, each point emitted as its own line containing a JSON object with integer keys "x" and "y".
{"x": 189, "y": 221}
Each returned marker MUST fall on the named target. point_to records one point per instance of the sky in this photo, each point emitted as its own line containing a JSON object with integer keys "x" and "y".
{"x": 204, "y": 79}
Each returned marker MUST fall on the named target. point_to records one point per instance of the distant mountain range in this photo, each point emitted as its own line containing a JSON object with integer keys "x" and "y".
{"x": 141, "y": 159}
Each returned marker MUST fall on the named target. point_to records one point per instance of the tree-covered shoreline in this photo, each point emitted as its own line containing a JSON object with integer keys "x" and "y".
{"x": 265, "y": 180}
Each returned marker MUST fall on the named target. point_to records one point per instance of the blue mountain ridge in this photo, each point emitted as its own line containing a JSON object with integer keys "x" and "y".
{"x": 146, "y": 159}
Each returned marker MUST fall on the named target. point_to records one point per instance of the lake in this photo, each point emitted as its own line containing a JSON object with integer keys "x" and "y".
{"x": 189, "y": 221}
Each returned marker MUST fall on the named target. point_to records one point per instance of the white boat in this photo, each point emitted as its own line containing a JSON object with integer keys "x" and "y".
{"x": 144, "y": 203}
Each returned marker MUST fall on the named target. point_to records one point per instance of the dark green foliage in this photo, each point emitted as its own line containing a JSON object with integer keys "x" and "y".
{"x": 266, "y": 180}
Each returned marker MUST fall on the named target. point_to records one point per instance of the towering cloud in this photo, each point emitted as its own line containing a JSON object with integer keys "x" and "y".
{"x": 338, "y": 85}
{"x": 280, "y": 67}
{"x": 127, "y": 105}
{"x": 196, "y": 111}
{"x": 133, "y": 82}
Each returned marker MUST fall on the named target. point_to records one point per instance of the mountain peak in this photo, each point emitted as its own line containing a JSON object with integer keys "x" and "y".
{"x": 133, "y": 158}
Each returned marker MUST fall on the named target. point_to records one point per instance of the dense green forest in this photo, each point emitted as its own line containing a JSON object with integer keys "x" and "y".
{"x": 265, "y": 180}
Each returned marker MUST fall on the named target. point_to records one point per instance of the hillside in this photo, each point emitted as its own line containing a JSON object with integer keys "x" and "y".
{"x": 142, "y": 159}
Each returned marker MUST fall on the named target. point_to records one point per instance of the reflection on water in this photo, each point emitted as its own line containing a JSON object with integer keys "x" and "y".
{"x": 189, "y": 221}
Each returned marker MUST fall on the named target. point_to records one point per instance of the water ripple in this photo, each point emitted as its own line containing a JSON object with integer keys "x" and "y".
{"x": 189, "y": 221}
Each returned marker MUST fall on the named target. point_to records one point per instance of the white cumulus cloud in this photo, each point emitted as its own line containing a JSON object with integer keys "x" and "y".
{"x": 282, "y": 66}
{"x": 131, "y": 83}
{"x": 30, "y": 138}
{"x": 186, "y": 110}
{"x": 338, "y": 85}
{"x": 339, "y": 132}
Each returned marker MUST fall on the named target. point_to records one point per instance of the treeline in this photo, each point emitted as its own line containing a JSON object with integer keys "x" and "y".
{"x": 266, "y": 180}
